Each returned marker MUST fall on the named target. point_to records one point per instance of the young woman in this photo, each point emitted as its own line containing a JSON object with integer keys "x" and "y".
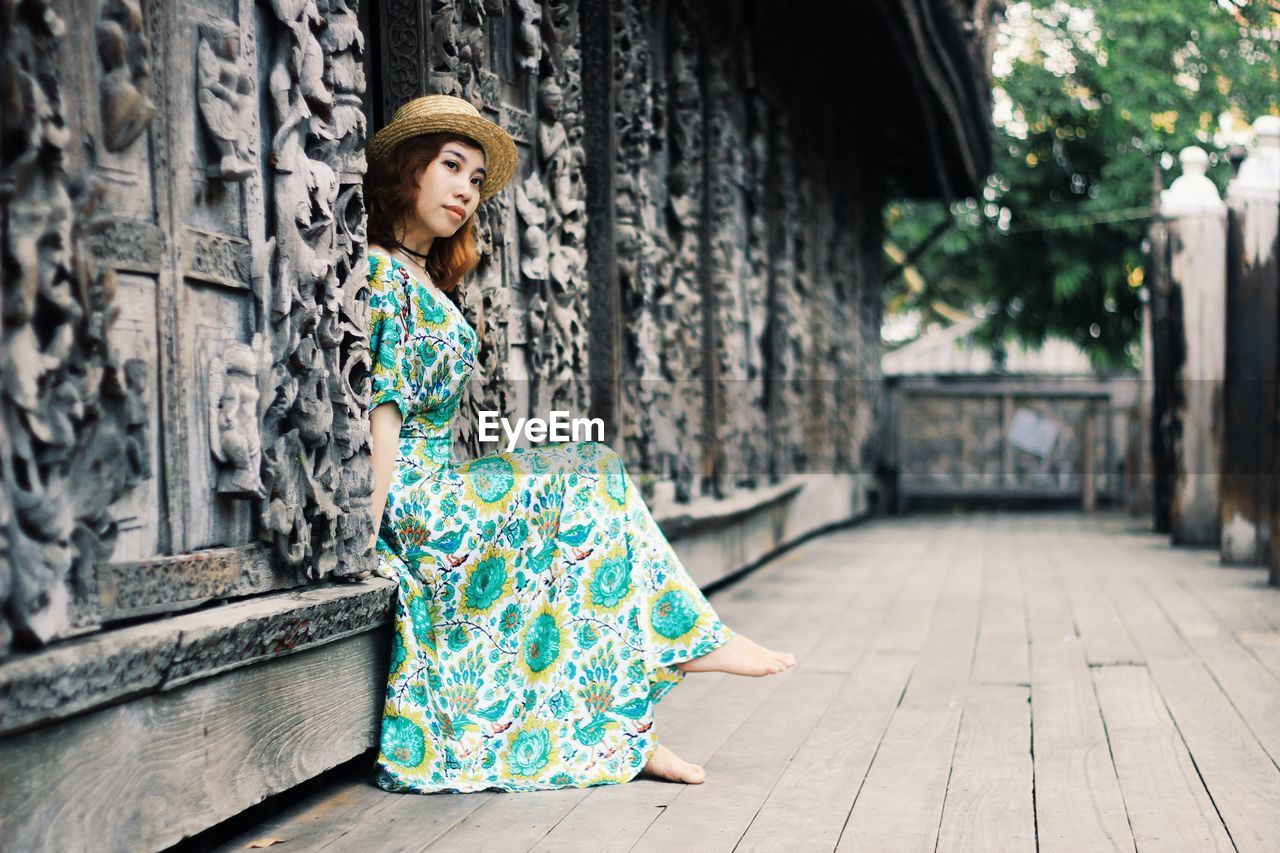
{"x": 541, "y": 612}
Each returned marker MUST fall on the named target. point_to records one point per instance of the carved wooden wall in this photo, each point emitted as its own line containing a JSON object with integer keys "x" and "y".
{"x": 747, "y": 244}
{"x": 184, "y": 300}
{"x": 184, "y": 337}
{"x": 744, "y": 241}
{"x": 518, "y": 62}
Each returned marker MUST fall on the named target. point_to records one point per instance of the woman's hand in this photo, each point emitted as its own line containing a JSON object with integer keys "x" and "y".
{"x": 384, "y": 428}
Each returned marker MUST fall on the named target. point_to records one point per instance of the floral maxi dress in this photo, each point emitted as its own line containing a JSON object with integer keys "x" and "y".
{"x": 540, "y": 608}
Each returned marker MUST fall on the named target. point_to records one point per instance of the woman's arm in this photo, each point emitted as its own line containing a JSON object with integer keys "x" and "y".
{"x": 384, "y": 426}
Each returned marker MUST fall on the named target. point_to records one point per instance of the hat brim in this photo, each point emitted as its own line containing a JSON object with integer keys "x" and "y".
{"x": 499, "y": 148}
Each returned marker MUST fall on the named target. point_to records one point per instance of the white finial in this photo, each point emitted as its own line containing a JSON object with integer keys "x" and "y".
{"x": 1192, "y": 193}
{"x": 1260, "y": 172}
{"x": 1194, "y": 161}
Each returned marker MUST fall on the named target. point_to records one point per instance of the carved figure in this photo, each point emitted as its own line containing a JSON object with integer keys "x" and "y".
{"x": 531, "y": 200}
{"x": 137, "y": 374}
{"x": 225, "y": 100}
{"x": 233, "y": 421}
{"x": 305, "y": 56}
{"x": 530, "y": 44}
{"x": 125, "y": 90}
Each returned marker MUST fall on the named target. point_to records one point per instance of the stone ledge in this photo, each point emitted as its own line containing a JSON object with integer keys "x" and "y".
{"x": 70, "y": 678}
{"x": 682, "y": 519}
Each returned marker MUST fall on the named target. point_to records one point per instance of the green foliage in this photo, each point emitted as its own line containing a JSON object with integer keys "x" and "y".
{"x": 1091, "y": 98}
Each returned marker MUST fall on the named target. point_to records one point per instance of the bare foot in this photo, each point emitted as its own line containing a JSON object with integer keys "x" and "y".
{"x": 669, "y": 767}
{"x": 740, "y": 656}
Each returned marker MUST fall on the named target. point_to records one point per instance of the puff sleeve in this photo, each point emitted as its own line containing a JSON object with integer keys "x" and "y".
{"x": 388, "y": 337}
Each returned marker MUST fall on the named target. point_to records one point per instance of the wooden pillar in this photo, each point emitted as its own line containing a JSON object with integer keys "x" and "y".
{"x": 1089, "y": 498}
{"x": 1139, "y": 459}
{"x": 1253, "y": 200}
{"x": 1196, "y": 219}
{"x": 605, "y": 298}
{"x": 1159, "y": 363}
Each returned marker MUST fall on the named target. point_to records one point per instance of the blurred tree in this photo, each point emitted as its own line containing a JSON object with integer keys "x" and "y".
{"x": 1091, "y": 98}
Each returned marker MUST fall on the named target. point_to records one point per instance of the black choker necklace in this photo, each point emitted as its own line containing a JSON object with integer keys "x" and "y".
{"x": 421, "y": 257}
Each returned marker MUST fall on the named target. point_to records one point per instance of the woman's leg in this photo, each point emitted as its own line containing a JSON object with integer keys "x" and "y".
{"x": 737, "y": 655}
{"x": 740, "y": 656}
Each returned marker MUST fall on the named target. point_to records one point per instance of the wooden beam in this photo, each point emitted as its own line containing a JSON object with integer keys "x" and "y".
{"x": 148, "y": 773}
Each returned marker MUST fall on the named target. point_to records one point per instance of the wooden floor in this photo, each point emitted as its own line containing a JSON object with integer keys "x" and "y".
{"x": 981, "y": 682}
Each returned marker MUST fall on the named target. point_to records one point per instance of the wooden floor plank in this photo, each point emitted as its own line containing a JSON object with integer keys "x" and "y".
{"x": 840, "y": 647}
{"x": 907, "y": 725}
{"x": 1253, "y": 690}
{"x": 1265, "y": 647}
{"x": 1001, "y": 653}
{"x": 1241, "y": 778}
{"x": 507, "y": 822}
{"x": 906, "y": 621}
{"x": 811, "y": 800}
{"x": 322, "y": 817}
{"x": 714, "y": 817}
{"x": 988, "y": 805}
{"x": 900, "y": 804}
{"x": 1167, "y": 804}
{"x": 1102, "y": 634}
{"x": 1078, "y": 802}
{"x": 1237, "y": 595}
{"x": 614, "y": 818}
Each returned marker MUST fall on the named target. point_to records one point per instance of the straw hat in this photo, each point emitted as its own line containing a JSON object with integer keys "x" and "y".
{"x": 434, "y": 113}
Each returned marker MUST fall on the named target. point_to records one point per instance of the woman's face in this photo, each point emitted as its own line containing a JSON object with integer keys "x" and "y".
{"x": 449, "y": 189}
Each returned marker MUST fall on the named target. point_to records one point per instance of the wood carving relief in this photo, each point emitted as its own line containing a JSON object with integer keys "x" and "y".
{"x": 558, "y": 346}
{"x": 740, "y": 276}
{"x": 189, "y": 289}
{"x": 634, "y": 212}
{"x": 226, "y": 99}
{"x": 233, "y": 421}
{"x": 125, "y": 88}
{"x": 262, "y": 350}
{"x": 314, "y": 432}
{"x": 72, "y": 415}
{"x": 678, "y": 299}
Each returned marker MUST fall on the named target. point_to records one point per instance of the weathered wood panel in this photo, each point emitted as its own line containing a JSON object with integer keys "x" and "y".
{"x": 1249, "y": 390}
{"x": 988, "y": 805}
{"x": 107, "y": 667}
{"x": 973, "y": 441}
{"x": 185, "y": 330}
{"x": 233, "y": 748}
{"x": 1165, "y": 798}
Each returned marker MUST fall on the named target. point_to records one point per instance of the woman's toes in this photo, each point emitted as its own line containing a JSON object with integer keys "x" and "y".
{"x": 666, "y": 765}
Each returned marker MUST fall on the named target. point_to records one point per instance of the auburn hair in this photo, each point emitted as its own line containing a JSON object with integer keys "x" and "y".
{"x": 391, "y": 196}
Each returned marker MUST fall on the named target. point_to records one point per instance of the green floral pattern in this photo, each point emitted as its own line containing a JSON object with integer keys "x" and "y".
{"x": 611, "y": 581}
{"x": 542, "y": 643}
{"x": 540, "y": 609}
{"x": 674, "y": 615}
{"x": 486, "y": 582}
